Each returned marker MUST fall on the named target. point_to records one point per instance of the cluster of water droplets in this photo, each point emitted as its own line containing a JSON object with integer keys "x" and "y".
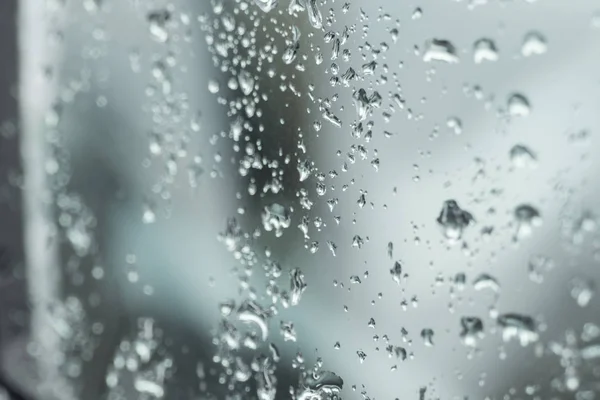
{"x": 250, "y": 63}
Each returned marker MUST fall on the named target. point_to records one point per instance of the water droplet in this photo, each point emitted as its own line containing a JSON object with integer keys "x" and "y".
{"x": 332, "y": 247}
{"x": 471, "y": 330}
{"x": 518, "y": 326}
{"x": 148, "y": 216}
{"x": 297, "y": 284}
{"x": 590, "y": 352}
{"x": 417, "y": 13}
{"x": 287, "y": 331}
{"x": 246, "y": 82}
{"x": 321, "y": 385}
{"x": 226, "y": 308}
{"x": 304, "y": 170}
{"x": 251, "y": 312}
{"x": 527, "y": 217}
{"x": 329, "y": 116}
{"x": 518, "y": 105}
{"x": 427, "y": 336}
{"x": 291, "y": 50}
{"x": 357, "y": 241}
{"x": 521, "y": 156}
{"x": 486, "y": 281}
{"x": 484, "y": 50}
{"x": 537, "y": 266}
{"x": 296, "y": 6}
{"x": 266, "y": 5}
{"x": 276, "y": 218}
{"x": 534, "y": 43}
{"x": 369, "y": 68}
{"x": 455, "y": 125}
{"x": 158, "y": 25}
{"x": 440, "y": 50}
{"x": 582, "y": 290}
{"x": 213, "y": 86}
{"x": 396, "y": 272}
{"x": 314, "y": 14}
{"x": 148, "y": 386}
{"x": 319, "y": 58}
{"x": 454, "y": 220}
{"x": 365, "y": 104}
{"x": 362, "y": 356}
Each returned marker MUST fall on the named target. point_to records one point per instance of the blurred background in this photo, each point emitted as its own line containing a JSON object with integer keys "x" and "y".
{"x": 305, "y": 199}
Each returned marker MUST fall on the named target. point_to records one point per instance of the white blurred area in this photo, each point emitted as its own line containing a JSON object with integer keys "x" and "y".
{"x": 176, "y": 271}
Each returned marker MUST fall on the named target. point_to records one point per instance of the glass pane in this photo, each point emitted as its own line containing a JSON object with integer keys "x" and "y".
{"x": 306, "y": 199}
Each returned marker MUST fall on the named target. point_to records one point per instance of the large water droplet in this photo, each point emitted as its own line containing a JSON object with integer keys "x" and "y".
{"x": 276, "y": 218}
{"x": 291, "y": 50}
{"x": 534, "y": 43}
{"x": 472, "y": 330}
{"x": 246, "y": 81}
{"x": 362, "y": 356}
{"x": 521, "y": 156}
{"x": 484, "y": 50}
{"x": 427, "y": 336}
{"x": 396, "y": 272}
{"x": 518, "y": 105}
{"x": 518, "y": 326}
{"x": 314, "y": 14}
{"x": 287, "y": 331}
{"x": 440, "y": 50}
{"x": 486, "y": 281}
{"x": 266, "y": 5}
{"x": 158, "y": 25}
{"x": 527, "y": 217}
{"x": 582, "y": 290}
{"x": 454, "y": 220}
{"x": 321, "y": 385}
{"x": 251, "y": 312}
{"x": 298, "y": 286}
